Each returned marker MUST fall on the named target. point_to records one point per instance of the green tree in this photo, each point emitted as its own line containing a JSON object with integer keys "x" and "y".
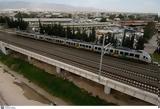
{"x": 124, "y": 38}
{"x": 24, "y": 15}
{"x": 41, "y": 27}
{"x": 85, "y": 36}
{"x": 132, "y": 41}
{"x": 112, "y": 16}
{"x": 103, "y": 20}
{"x": 73, "y": 33}
{"x": 2, "y": 20}
{"x": 69, "y": 33}
{"x": 122, "y": 17}
{"x": 131, "y": 17}
{"x": 92, "y": 35}
{"x": 149, "y": 31}
{"x": 78, "y": 35}
{"x": 140, "y": 44}
{"x": 156, "y": 18}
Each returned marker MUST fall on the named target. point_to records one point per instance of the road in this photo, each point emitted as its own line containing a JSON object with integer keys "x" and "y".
{"x": 139, "y": 75}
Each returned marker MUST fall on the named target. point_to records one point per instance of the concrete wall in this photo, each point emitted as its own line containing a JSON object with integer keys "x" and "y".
{"x": 108, "y": 83}
{"x": 3, "y": 49}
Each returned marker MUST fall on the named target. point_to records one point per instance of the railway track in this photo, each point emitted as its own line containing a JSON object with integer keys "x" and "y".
{"x": 122, "y": 63}
{"x": 113, "y": 61}
{"x": 125, "y": 66}
{"x": 143, "y": 82}
{"x": 146, "y": 80}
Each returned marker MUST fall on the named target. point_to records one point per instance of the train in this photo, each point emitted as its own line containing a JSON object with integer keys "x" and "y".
{"x": 119, "y": 52}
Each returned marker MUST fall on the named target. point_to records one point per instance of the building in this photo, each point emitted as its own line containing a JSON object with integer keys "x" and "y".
{"x": 34, "y": 22}
{"x": 67, "y": 22}
{"x": 158, "y": 27}
{"x": 134, "y": 23}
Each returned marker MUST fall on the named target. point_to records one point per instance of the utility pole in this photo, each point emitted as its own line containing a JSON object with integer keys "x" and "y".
{"x": 101, "y": 60}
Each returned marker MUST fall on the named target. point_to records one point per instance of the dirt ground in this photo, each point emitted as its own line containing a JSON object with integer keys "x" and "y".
{"x": 12, "y": 92}
{"x": 17, "y": 90}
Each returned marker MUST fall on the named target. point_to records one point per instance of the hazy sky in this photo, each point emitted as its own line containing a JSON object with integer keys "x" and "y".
{"x": 110, "y": 5}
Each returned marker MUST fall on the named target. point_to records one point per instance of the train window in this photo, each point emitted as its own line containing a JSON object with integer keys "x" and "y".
{"x": 95, "y": 47}
{"x": 89, "y": 46}
{"x": 126, "y": 53}
{"x": 111, "y": 51}
{"x": 137, "y": 56}
{"x": 144, "y": 57}
{"x": 131, "y": 54}
{"x": 116, "y": 51}
{"x": 106, "y": 49}
{"x": 121, "y": 53}
{"x": 99, "y": 48}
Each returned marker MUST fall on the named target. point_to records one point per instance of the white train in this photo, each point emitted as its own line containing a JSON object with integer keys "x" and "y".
{"x": 139, "y": 55}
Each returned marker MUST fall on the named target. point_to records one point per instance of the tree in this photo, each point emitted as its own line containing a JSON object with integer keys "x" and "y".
{"x": 156, "y": 18}
{"x": 124, "y": 38}
{"x": 132, "y": 41}
{"x": 73, "y": 33}
{"x": 85, "y": 36}
{"x": 131, "y": 17}
{"x": 24, "y": 15}
{"x": 41, "y": 27}
{"x": 121, "y": 16}
{"x": 115, "y": 42}
{"x": 12, "y": 23}
{"x": 149, "y": 31}
{"x": 103, "y": 20}
{"x": 78, "y": 35}
{"x": 92, "y": 35}
{"x": 112, "y": 16}
{"x": 21, "y": 24}
{"x": 69, "y": 33}
{"x": 2, "y": 20}
{"x": 140, "y": 44}
{"x": 127, "y": 42}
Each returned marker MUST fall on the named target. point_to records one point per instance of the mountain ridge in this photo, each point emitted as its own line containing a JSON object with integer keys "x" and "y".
{"x": 7, "y": 5}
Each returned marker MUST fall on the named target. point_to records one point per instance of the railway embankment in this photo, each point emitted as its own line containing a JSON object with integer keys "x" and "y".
{"x": 53, "y": 84}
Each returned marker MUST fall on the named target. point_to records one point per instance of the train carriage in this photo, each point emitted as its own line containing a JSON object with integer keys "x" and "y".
{"x": 97, "y": 48}
{"x": 116, "y": 52}
{"x": 128, "y": 53}
{"x": 72, "y": 43}
{"x": 86, "y": 46}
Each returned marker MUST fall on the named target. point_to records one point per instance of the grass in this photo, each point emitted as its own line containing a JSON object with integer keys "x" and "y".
{"x": 156, "y": 57}
{"x": 55, "y": 85}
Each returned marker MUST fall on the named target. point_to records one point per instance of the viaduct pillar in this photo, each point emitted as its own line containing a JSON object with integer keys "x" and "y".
{"x": 107, "y": 90}
{"x": 58, "y": 69}
{"x": 3, "y": 48}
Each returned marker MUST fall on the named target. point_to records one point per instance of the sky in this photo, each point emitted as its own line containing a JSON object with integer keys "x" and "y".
{"x": 110, "y": 5}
